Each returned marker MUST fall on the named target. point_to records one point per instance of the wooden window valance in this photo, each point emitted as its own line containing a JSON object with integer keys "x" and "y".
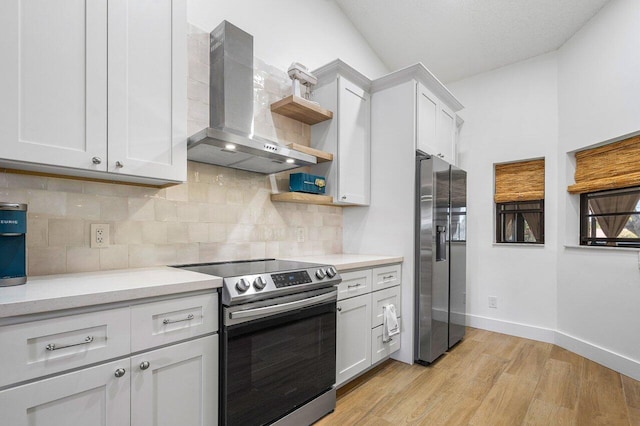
{"x": 521, "y": 181}
{"x": 612, "y": 166}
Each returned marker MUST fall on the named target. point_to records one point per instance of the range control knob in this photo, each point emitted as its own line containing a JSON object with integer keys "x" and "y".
{"x": 331, "y": 272}
{"x": 320, "y": 274}
{"x": 259, "y": 283}
{"x": 242, "y": 285}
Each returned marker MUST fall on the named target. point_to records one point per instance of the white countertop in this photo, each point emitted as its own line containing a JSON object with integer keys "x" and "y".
{"x": 55, "y": 292}
{"x": 345, "y": 262}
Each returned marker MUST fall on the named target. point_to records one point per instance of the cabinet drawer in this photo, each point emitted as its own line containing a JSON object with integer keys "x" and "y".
{"x": 387, "y": 276}
{"x": 379, "y": 349}
{"x": 159, "y": 323}
{"x": 354, "y": 283}
{"x": 389, "y": 296}
{"x": 49, "y": 346}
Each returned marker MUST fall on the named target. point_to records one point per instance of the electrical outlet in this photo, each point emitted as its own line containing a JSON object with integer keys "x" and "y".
{"x": 99, "y": 235}
{"x": 300, "y": 235}
{"x": 493, "y": 302}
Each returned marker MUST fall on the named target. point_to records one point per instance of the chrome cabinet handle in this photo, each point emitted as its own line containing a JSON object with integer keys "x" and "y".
{"x": 54, "y": 347}
{"x": 354, "y": 285}
{"x": 144, "y": 365}
{"x": 170, "y": 321}
{"x": 387, "y": 277}
{"x": 120, "y": 372}
{"x": 119, "y": 164}
{"x": 339, "y": 309}
{"x": 96, "y": 160}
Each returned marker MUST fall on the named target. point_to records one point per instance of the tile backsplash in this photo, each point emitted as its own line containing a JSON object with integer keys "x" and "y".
{"x": 218, "y": 214}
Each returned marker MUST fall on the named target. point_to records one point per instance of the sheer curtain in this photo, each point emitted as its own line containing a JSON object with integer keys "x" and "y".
{"x": 534, "y": 219}
{"x": 613, "y": 225}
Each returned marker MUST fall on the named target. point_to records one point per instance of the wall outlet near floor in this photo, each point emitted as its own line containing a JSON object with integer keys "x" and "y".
{"x": 493, "y": 302}
{"x": 99, "y": 235}
{"x": 300, "y": 235}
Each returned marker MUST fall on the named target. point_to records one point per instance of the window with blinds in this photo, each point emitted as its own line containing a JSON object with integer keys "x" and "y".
{"x": 519, "y": 198}
{"x": 608, "y": 181}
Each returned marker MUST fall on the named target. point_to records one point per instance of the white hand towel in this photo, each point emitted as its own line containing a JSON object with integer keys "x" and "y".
{"x": 389, "y": 322}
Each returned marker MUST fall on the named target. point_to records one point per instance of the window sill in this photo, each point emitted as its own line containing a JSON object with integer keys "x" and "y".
{"x": 518, "y": 245}
{"x": 580, "y": 247}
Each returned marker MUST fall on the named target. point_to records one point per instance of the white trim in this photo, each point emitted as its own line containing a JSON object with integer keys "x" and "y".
{"x": 612, "y": 360}
{"x": 512, "y": 328}
{"x": 617, "y": 362}
{"x": 594, "y": 248}
{"x": 518, "y": 245}
{"x": 421, "y": 74}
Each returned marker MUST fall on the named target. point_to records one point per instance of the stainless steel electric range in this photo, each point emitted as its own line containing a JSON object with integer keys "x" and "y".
{"x": 278, "y": 341}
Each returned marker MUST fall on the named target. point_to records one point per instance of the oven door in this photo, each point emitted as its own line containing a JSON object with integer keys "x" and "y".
{"x": 277, "y": 357}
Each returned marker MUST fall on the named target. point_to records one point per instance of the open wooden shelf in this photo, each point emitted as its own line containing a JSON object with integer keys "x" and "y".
{"x": 301, "y": 197}
{"x": 320, "y": 155}
{"x": 301, "y": 110}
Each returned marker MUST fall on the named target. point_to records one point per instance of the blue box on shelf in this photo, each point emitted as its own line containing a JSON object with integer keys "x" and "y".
{"x": 304, "y": 182}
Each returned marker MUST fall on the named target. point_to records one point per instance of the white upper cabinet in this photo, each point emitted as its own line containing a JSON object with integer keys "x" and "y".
{"x": 147, "y": 88}
{"x": 432, "y": 118}
{"x": 53, "y": 81}
{"x": 354, "y": 144}
{"x": 344, "y": 91}
{"x": 427, "y": 119}
{"x": 94, "y": 86}
{"x": 435, "y": 126}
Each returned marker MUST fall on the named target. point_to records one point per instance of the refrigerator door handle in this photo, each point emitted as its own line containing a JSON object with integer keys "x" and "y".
{"x": 441, "y": 243}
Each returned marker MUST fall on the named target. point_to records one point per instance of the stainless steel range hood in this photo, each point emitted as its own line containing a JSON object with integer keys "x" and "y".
{"x": 229, "y": 140}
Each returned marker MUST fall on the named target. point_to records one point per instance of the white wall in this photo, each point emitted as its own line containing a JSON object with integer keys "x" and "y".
{"x": 587, "y": 93}
{"x": 312, "y": 32}
{"x": 510, "y": 114}
{"x": 599, "y": 98}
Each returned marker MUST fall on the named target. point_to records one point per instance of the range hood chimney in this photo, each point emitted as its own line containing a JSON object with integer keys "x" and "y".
{"x": 229, "y": 140}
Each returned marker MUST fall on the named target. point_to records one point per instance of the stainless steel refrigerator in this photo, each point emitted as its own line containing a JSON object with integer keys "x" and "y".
{"x": 440, "y": 257}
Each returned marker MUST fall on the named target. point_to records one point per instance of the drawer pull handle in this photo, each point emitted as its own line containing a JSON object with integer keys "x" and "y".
{"x": 144, "y": 365}
{"x": 354, "y": 285}
{"x": 54, "y": 347}
{"x": 120, "y": 372}
{"x": 339, "y": 309}
{"x": 387, "y": 277}
{"x": 170, "y": 321}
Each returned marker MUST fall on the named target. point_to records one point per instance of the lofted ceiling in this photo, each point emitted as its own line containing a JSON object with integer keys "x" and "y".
{"x": 459, "y": 38}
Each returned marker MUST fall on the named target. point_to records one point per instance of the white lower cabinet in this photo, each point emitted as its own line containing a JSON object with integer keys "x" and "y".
{"x": 176, "y": 385}
{"x": 353, "y": 341}
{"x": 359, "y": 343}
{"x": 172, "y": 385}
{"x": 380, "y": 349}
{"x": 93, "y": 396}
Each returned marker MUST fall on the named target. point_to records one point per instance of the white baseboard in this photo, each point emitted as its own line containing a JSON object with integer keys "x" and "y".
{"x": 512, "y": 328}
{"x": 612, "y": 360}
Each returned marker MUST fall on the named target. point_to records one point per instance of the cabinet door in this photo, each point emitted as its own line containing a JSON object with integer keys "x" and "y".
{"x": 427, "y": 110}
{"x": 178, "y": 386}
{"x": 147, "y": 88}
{"x": 446, "y": 134}
{"x": 354, "y": 144}
{"x": 93, "y": 396}
{"x": 53, "y": 82}
{"x": 353, "y": 341}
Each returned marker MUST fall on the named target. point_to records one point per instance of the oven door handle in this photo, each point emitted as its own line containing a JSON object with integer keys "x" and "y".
{"x": 284, "y": 307}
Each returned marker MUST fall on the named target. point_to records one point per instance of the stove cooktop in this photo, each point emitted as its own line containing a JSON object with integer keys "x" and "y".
{"x": 248, "y": 267}
{"x": 252, "y": 280}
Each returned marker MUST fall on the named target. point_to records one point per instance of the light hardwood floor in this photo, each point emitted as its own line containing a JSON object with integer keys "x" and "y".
{"x": 491, "y": 379}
